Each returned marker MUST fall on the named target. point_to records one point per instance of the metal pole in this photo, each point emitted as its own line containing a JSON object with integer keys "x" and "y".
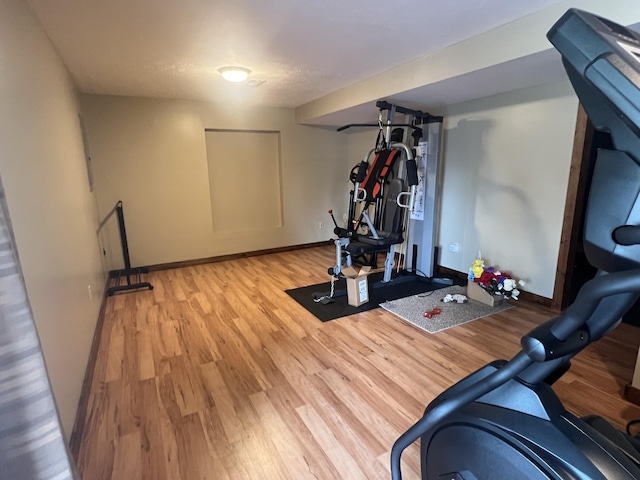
{"x": 123, "y": 238}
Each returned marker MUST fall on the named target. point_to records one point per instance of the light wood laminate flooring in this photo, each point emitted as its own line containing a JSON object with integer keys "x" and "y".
{"x": 218, "y": 374}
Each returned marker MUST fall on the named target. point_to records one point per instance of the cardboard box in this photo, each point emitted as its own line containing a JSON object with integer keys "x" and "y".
{"x": 479, "y": 294}
{"x": 357, "y": 285}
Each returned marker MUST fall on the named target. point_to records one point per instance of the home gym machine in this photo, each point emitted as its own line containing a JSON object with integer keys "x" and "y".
{"x": 504, "y": 421}
{"x": 394, "y": 195}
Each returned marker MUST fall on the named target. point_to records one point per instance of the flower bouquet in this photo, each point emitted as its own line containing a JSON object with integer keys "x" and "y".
{"x": 493, "y": 281}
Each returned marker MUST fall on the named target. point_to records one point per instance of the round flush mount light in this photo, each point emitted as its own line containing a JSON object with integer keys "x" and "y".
{"x": 234, "y": 74}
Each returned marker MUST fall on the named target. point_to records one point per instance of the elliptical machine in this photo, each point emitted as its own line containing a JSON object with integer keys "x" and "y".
{"x": 504, "y": 421}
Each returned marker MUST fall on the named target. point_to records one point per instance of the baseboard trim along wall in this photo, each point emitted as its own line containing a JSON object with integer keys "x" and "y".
{"x": 234, "y": 256}
{"x": 632, "y": 394}
{"x": 81, "y": 413}
{"x": 83, "y": 402}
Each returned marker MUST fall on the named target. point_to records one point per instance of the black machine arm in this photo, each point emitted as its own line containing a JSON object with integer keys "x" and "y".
{"x": 412, "y": 170}
{"x": 412, "y": 175}
{"x": 560, "y": 337}
{"x": 599, "y": 305}
{"x": 595, "y": 291}
{"x": 421, "y": 117}
{"x": 453, "y": 403}
{"x": 362, "y": 169}
{"x": 627, "y": 235}
{"x": 345, "y": 127}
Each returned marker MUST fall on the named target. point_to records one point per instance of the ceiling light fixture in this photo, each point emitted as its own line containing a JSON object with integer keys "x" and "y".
{"x": 234, "y": 74}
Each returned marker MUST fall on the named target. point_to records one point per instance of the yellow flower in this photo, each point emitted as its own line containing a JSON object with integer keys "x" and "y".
{"x": 477, "y": 268}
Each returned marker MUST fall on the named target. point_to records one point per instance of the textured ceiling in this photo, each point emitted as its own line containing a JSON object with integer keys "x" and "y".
{"x": 298, "y": 50}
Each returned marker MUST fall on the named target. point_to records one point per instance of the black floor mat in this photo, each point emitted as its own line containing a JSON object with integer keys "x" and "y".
{"x": 399, "y": 287}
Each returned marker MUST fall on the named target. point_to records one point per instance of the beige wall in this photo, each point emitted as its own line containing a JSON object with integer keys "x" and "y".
{"x": 151, "y": 154}
{"x": 506, "y": 167}
{"x": 53, "y": 213}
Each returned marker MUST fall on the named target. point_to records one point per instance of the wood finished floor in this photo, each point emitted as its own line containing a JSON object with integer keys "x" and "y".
{"x": 218, "y": 374}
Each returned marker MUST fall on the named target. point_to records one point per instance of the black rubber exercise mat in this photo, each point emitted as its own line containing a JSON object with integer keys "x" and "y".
{"x": 379, "y": 292}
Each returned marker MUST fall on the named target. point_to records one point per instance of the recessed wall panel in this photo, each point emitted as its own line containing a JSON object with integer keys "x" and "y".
{"x": 244, "y": 178}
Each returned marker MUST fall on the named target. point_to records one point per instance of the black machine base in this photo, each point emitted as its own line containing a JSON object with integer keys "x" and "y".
{"x": 123, "y": 280}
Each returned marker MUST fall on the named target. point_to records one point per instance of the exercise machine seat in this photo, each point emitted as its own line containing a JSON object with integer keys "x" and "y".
{"x": 366, "y": 245}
